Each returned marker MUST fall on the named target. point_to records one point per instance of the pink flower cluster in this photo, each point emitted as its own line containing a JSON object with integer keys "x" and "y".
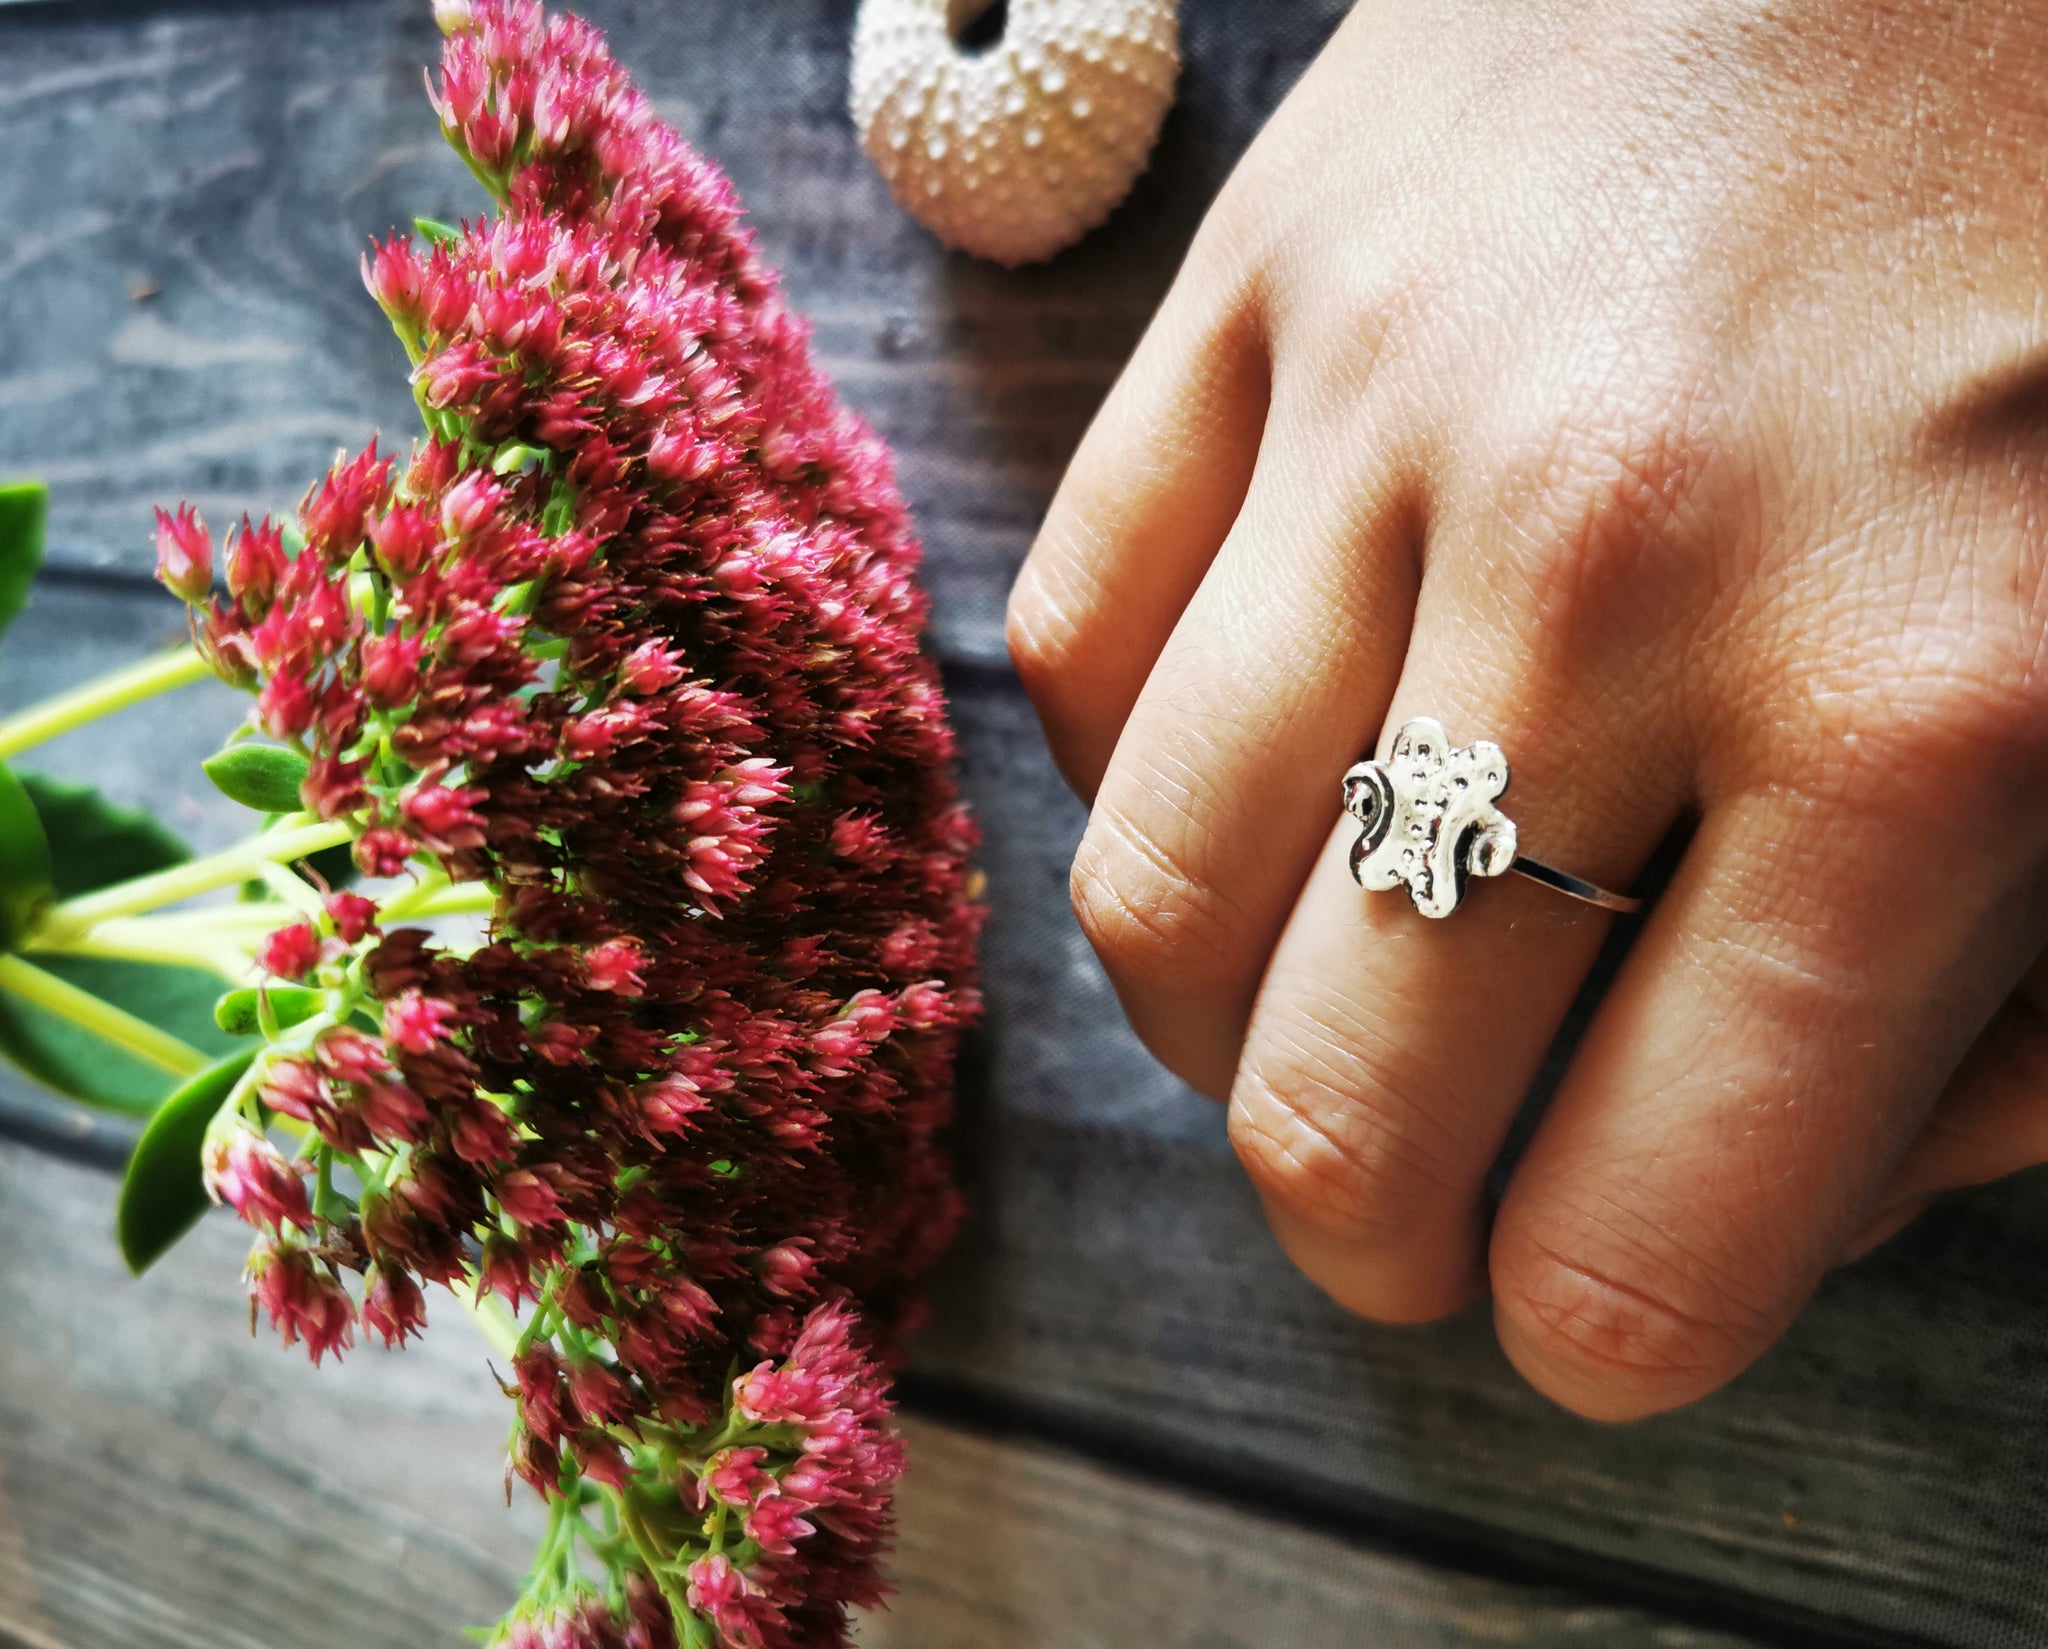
{"x": 631, "y": 639}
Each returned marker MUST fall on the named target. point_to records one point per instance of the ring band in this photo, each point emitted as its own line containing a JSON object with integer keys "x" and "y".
{"x": 1427, "y": 821}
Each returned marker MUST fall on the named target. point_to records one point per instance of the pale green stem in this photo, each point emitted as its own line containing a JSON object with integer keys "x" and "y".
{"x": 64, "y": 999}
{"x": 217, "y": 920}
{"x": 290, "y": 889}
{"x": 463, "y": 899}
{"x": 492, "y": 1315}
{"x": 231, "y": 925}
{"x": 101, "y": 698}
{"x": 167, "y": 887}
{"x": 142, "y": 939}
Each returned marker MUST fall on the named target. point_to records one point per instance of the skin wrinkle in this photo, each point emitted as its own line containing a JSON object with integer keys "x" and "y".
{"x": 1315, "y": 1056}
{"x": 1177, "y": 929}
{"x": 1581, "y": 1328}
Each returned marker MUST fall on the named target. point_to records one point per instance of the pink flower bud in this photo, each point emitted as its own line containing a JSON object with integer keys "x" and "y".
{"x": 735, "y": 1476}
{"x": 249, "y": 1174}
{"x": 347, "y": 1055}
{"x": 598, "y": 1393}
{"x": 293, "y": 1088}
{"x": 336, "y": 517}
{"x": 527, "y": 1198}
{"x": 786, "y": 1269}
{"x": 352, "y": 915}
{"x": 417, "y": 1023}
{"x": 668, "y": 1104}
{"x": 777, "y": 1523}
{"x": 598, "y": 1456}
{"x": 504, "y": 1270}
{"x": 393, "y": 1307}
{"x": 614, "y": 966}
{"x": 184, "y": 554}
{"x": 392, "y": 273}
{"x": 541, "y": 1388}
{"x": 391, "y": 670}
{"x": 483, "y": 1134}
{"x": 407, "y": 540}
{"x": 303, "y": 1302}
{"x": 649, "y": 668}
{"x": 445, "y": 817}
{"x": 468, "y": 505}
{"x": 392, "y": 1112}
{"x": 291, "y": 952}
{"x": 286, "y": 707}
{"x": 382, "y": 851}
{"x": 256, "y": 565}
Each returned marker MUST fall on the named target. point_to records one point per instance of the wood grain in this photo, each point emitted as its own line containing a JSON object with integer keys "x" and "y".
{"x": 1885, "y": 1467}
{"x": 1885, "y": 1470}
{"x": 180, "y": 1484}
{"x": 191, "y": 186}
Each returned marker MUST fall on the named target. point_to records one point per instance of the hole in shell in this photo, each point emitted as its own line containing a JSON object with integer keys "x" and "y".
{"x": 977, "y": 25}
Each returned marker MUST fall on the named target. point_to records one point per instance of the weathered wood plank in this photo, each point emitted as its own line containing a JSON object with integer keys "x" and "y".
{"x": 1885, "y": 1466}
{"x": 176, "y": 1483}
{"x": 230, "y": 161}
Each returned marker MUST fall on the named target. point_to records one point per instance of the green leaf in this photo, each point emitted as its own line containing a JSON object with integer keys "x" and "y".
{"x": 433, "y": 229}
{"x": 239, "y": 1013}
{"x": 24, "y": 508}
{"x": 263, "y": 776}
{"x": 26, "y": 884}
{"x": 515, "y": 457}
{"x": 92, "y": 844}
{"x": 163, "y": 1193}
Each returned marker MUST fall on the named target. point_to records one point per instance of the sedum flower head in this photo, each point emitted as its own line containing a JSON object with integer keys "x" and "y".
{"x": 630, "y": 644}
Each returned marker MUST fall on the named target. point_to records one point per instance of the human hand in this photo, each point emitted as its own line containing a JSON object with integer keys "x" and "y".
{"x": 1659, "y": 390}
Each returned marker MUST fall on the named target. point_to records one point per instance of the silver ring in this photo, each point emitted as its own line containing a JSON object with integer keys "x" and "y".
{"x": 1427, "y": 822}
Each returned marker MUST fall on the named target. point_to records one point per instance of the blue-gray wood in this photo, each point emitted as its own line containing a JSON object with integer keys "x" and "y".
{"x": 186, "y": 191}
{"x": 167, "y": 1482}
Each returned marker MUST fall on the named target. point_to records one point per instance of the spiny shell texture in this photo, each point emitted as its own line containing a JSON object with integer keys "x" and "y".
{"x": 1017, "y": 151}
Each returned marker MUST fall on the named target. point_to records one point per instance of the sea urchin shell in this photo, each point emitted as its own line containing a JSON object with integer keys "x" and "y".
{"x": 1017, "y": 151}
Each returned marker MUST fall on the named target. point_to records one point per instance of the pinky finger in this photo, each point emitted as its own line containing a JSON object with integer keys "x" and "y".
{"x": 1991, "y": 1120}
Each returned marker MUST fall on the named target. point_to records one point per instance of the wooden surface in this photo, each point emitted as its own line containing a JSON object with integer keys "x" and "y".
{"x": 177, "y": 1483}
{"x": 1882, "y": 1478}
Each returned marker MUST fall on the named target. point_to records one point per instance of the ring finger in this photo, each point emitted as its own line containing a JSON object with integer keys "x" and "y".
{"x": 1388, "y": 1052}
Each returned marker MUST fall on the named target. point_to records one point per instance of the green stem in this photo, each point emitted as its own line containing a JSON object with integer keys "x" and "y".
{"x": 166, "y": 887}
{"x": 491, "y": 1314}
{"x": 289, "y": 890}
{"x": 101, "y": 698}
{"x": 139, "y": 939}
{"x": 212, "y": 923}
{"x": 59, "y": 996}
{"x": 462, "y": 899}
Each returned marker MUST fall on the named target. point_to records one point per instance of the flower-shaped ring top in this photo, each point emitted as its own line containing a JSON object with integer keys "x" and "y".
{"x": 1427, "y": 820}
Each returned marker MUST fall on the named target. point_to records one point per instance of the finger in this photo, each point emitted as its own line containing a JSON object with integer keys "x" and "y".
{"x": 1223, "y": 785}
{"x": 1145, "y": 503}
{"x": 1388, "y": 1052}
{"x": 1991, "y": 1120}
{"x": 1772, "y": 1043}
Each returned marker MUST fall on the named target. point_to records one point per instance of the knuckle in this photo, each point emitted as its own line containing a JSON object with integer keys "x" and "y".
{"x": 1910, "y": 745}
{"x": 1614, "y": 1305}
{"x": 1040, "y": 630}
{"x": 1350, "y": 1150}
{"x": 1156, "y": 925}
{"x": 1590, "y": 491}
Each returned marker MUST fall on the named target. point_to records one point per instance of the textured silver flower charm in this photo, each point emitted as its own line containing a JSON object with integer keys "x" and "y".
{"x": 1426, "y": 817}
